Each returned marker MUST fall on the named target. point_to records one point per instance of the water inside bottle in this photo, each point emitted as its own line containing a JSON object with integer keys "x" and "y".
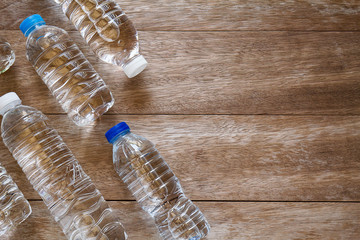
{"x": 7, "y": 55}
{"x": 14, "y": 208}
{"x": 68, "y": 192}
{"x": 69, "y": 76}
{"x": 106, "y": 29}
{"x": 157, "y": 189}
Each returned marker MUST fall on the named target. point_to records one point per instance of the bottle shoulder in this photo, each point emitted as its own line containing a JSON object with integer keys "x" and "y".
{"x": 43, "y": 37}
{"x": 132, "y": 139}
{"x": 25, "y": 114}
{"x": 47, "y": 32}
{"x": 131, "y": 144}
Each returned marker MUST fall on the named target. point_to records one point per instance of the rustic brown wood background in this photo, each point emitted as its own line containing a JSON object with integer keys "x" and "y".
{"x": 254, "y": 104}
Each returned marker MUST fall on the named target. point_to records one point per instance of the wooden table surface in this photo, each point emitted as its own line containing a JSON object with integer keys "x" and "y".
{"x": 255, "y": 105}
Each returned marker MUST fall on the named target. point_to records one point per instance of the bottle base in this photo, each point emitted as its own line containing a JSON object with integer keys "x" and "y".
{"x": 89, "y": 116}
{"x": 183, "y": 221}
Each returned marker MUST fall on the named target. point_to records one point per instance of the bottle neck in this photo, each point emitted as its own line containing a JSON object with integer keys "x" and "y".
{"x": 33, "y": 28}
{"x": 8, "y": 107}
{"x": 119, "y": 136}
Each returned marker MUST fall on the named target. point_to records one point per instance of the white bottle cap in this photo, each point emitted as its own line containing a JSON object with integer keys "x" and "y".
{"x": 8, "y": 101}
{"x": 135, "y": 67}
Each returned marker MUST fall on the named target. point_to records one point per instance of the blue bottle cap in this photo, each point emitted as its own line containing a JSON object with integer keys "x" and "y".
{"x": 30, "y": 23}
{"x": 116, "y": 130}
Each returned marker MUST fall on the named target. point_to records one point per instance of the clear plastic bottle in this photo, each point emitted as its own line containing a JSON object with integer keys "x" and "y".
{"x": 154, "y": 185}
{"x": 56, "y": 175}
{"x": 7, "y": 55}
{"x": 108, "y": 32}
{"x": 14, "y": 208}
{"x": 70, "y": 77}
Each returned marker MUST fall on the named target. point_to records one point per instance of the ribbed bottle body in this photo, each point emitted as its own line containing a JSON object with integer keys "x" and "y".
{"x": 69, "y": 76}
{"x": 105, "y": 27}
{"x": 7, "y": 55}
{"x": 157, "y": 189}
{"x": 56, "y": 175}
{"x": 14, "y": 208}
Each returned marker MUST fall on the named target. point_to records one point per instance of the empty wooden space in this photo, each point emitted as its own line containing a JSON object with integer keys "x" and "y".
{"x": 255, "y": 105}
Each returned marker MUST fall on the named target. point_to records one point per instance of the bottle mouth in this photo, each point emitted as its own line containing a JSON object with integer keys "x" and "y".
{"x": 30, "y": 23}
{"x": 117, "y": 130}
{"x": 135, "y": 66}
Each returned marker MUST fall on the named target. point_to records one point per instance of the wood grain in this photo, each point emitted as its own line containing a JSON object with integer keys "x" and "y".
{"x": 230, "y": 221}
{"x": 291, "y": 158}
{"x": 254, "y": 104}
{"x": 220, "y": 73}
{"x": 169, "y": 15}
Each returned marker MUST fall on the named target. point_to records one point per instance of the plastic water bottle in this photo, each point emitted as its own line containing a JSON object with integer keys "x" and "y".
{"x": 14, "y": 208}
{"x": 75, "y": 84}
{"x": 154, "y": 185}
{"x": 56, "y": 175}
{"x": 108, "y": 32}
{"x": 7, "y": 55}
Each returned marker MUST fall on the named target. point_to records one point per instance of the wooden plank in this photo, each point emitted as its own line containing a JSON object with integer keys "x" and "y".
{"x": 220, "y": 73}
{"x": 228, "y": 220}
{"x": 305, "y": 158}
{"x": 208, "y": 14}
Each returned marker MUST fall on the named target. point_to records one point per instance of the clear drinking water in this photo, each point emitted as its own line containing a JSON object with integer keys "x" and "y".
{"x": 7, "y": 55}
{"x": 154, "y": 185}
{"x": 70, "y": 77}
{"x": 14, "y": 208}
{"x": 56, "y": 175}
{"x": 108, "y": 32}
